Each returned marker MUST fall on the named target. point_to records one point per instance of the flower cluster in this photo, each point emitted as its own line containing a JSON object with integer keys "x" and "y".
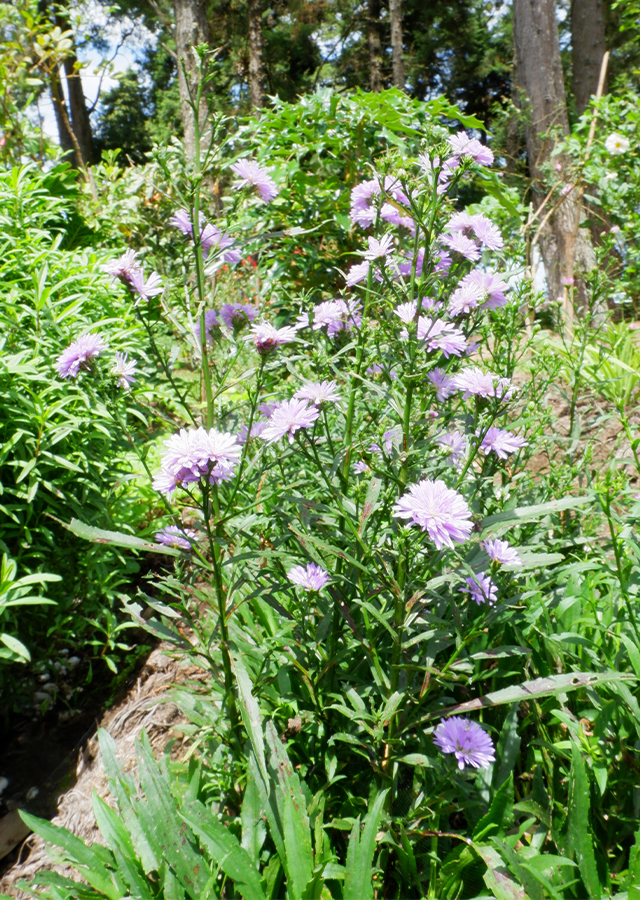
{"x": 194, "y": 455}
{"x": 334, "y": 315}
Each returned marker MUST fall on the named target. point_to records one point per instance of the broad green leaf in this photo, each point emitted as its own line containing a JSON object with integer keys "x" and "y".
{"x": 100, "y": 536}
{"x": 15, "y": 646}
{"x": 358, "y": 884}
{"x": 119, "y": 842}
{"x": 253, "y": 828}
{"x": 579, "y": 832}
{"x": 225, "y": 850}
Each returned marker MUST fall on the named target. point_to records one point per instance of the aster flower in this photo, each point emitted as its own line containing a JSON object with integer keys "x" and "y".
{"x": 256, "y": 431}
{"x": 457, "y": 443}
{"x": 318, "y": 392}
{"x": 406, "y": 312}
{"x": 289, "y": 417}
{"x": 473, "y": 381}
{"x": 405, "y": 268}
{"x": 463, "y": 245}
{"x": 361, "y": 467}
{"x": 481, "y": 588}
{"x": 267, "y": 338}
{"x": 442, "y": 336}
{"x": 180, "y": 538}
{"x": 501, "y": 552}
{"x": 378, "y": 248}
{"x": 440, "y": 511}
{"x": 211, "y": 321}
{"x": 501, "y": 442}
{"x": 347, "y": 316}
{"x": 464, "y": 146}
{"x": 182, "y": 221}
{"x": 389, "y": 213}
{"x": 145, "y": 289}
{"x": 79, "y": 354}
{"x": 311, "y": 577}
{"x": 123, "y": 266}
{"x": 236, "y": 315}
{"x": 442, "y": 382}
{"x": 465, "y": 298}
{"x": 357, "y": 273}
{"x": 491, "y": 288}
{"x": 487, "y": 233}
{"x": 470, "y": 743}
{"x": 363, "y": 210}
{"x": 251, "y": 175}
{"x": 195, "y": 454}
{"x": 124, "y": 370}
{"x": 391, "y": 438}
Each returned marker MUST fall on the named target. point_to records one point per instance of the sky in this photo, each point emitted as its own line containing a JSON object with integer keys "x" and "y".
{"x": 121, "y": 54}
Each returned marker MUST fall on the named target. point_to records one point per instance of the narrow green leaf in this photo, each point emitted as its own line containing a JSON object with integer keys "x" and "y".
{"x": 100, "y": 536}
{"x": 578, "y": 829}
{"x": 358, "y": 884}
{"x": 249, "y": 710}
{"x": 497, "y": 877}
{"x": 501, "y": 808}
{"x": 532, "y": 513}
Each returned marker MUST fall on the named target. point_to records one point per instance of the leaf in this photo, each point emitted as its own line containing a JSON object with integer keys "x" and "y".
{"x": 532, "y": 513}
{"x": 118, "y": 840}
{"x": 253, "y": 828}
{"x": 578, "y": 824}
{"x": 250, "y": 711}
{"x": 539, "y": 687}
{"x": 15, "y": 646}
{"x": 100, "y": 536}
{"x": 370, "y": 502}
{"x": 225, "y": 850}
{"x": 497, "y": 877}
{"x": 358, "y": 884}
{"x": 501, "y": 808}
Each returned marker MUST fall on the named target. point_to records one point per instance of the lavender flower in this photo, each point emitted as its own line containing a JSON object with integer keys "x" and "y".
{"x": 211, "y": 321}
{"x": 236, "y": 315}
{"x": 501, "y": 552}
{"x": 311, "y": 578}
{"x": 256, "y": 430}
{"x": 467, "y": 740}
{"x": 210, "y": 235}
{"x": 456, "y": 442}
{"x": 463, "y": 245}
{"x": 490, "y": 288}
{"x": 501, "y": 442}
{"x": 441, "y": 512}
{"x": 79, "y": 354}
{"x": 391, "y": 438}
{"x": 195, "y": 454}
{"x": 464, "y": 146}
{"x": 124, "y": 370}
{"x": 442, "y": 382}
{"x": 129, "y": 271}
{"x": 289, "y": 417}
{"x": 145, "y": 289}
{"x": 180, "y": 538}
{"x": 478, "y": 226}
{"x": 251, "y": 175}
{"x": 467, "y": 296}
{"x": 318, "y": 392}
{"x": 378, "y": 248}
{"x": 363, "y": 211}
{"x": 481, "y": 588}
{"x": 123, "y": 266}
{"x": 442, "y": 336}
{"x": 473, "y": 381}
{"x": 267, "y": 338}
{"x": 361, "y": 467}
{"x": 336, "y": 315}
{"x": 357, "y": 273}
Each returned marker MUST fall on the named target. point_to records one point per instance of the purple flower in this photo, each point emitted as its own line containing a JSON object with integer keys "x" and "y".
{"x": 389, "y": 213}
{"x": 467, "y": 740}
{"x": 363, "y": 211}
{"x": 210, "y": 235}
{"x": 318, "y": 392}
{"x": 289, "y": 417}
{"x": 460, "y": 243}
{"x": 456, "y": 442}
{"x": 391, "y": 438}
{"x": 465, "y": 298}
{"x": 256, "y": 430}
{"x": 337, "y": 315}
{"x": 481, "y": 588}
{"x": 502, "y": 552}
{"x": 236, "y": 315}
{"x": 145, "y": 289}
{"x": 251, "y": 175}
{"x": 487, "y": 233}
{"x": 442, "y": 336}
{"x": 311, "y": 578}
{"x": 440, "y": 511}
{"x": 210, "y": 322}
{"x": 464, "y": 146}
{"x": 79, "y": 354}
{"x": 406, "y": 267}
{"x": 267, "y": 338}
{"x": 473, "y": 381}
{"x": 357, "y": 273}
{"x": 442, "y": 382}
{"x": 195, "y": 454}
{"x": 489, "y": 287}
{"x": 123, "y": 266}
{"x": 182, "y": 221}
{"x": 124, "y": 370}
{"x": 378, "y": 248}
{"x": 361, "y": 467}
{"x": 501, "y": 442}
{"x": 180, "y": 538}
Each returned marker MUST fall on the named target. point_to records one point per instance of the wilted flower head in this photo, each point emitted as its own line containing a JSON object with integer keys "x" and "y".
{"x": 481, "y": 588}
{"x": 464, "y": 146}
{"x": 79, "y": 354}
{"x": 310, "y": 577}
{"x": 440, "y": 511}
{"x": 253, "y": 176}
{"x": 502, "y": 552}
{"x": 124, "y": 370}
{"x": 288, "y": 417}
{"x": 195, "y": 454}
{"x": 267, "y": 338}
{"x": 467, "y": 740}
{"x": 501, "y": 442}
{"x": 180, "y": 538}
{"x": 318, "y": 392}
{"x": 617, "y": 144}
{"x": 236, "y": 315}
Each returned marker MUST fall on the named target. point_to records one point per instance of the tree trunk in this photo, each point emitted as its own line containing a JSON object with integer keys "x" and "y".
{"x": 191, "y": 30}
{"x": 395, "y": 18}
{"x": 588, "y": 46}
{"x": 62, "y": 118}
{"x": 375, "y": 45}
{"x": 566, "y": 249}
{"x": 256, "y": 58}
{"x": 80, "y": 121}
